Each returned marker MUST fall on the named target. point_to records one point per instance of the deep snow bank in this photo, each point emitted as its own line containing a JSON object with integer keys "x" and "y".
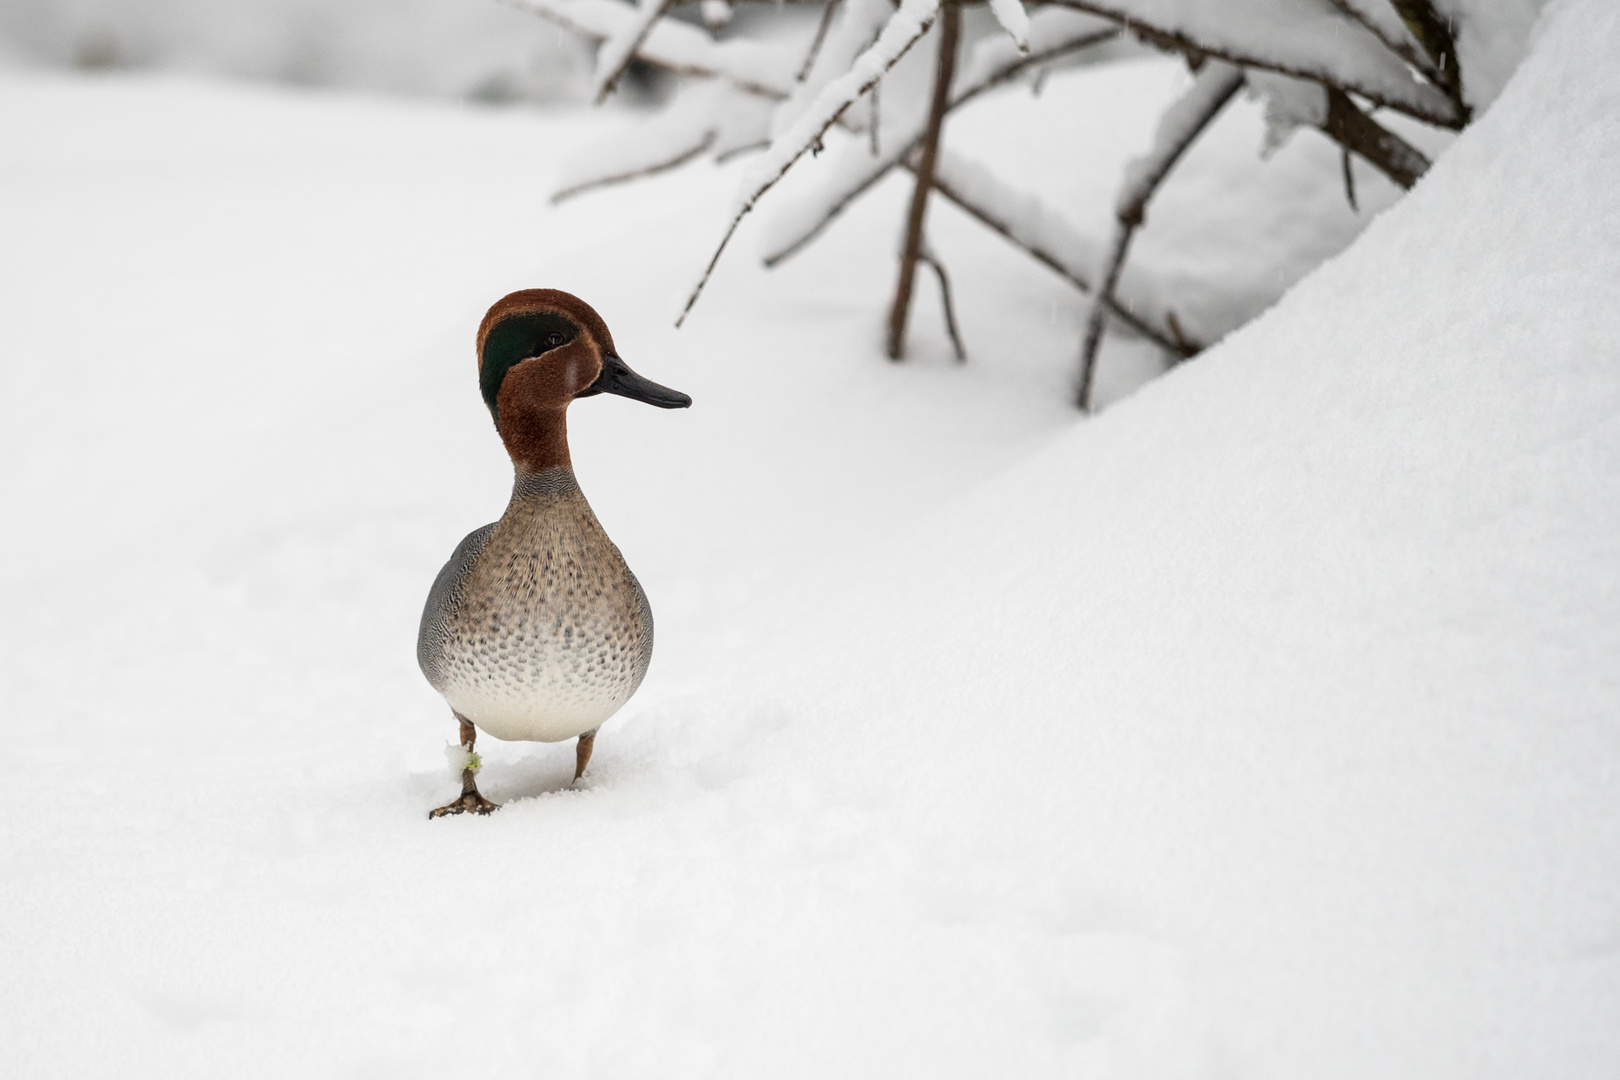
{"x": 1305, "y": 653}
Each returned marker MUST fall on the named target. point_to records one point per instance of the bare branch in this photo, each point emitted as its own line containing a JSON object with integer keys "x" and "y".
{"x": 653, "y": 169}
{"x": 1386, "y": 151}
{"x": 1183, "y": 122}
{"x": 928, "y": 257}
{"x": 827, "y": 13}
{"x": 950, "y": 27}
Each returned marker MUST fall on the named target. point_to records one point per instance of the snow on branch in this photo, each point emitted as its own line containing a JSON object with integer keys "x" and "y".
{"x": 1180, "y": 125}
{"x": 1309, "y": 39}
{"x": 1054, "y": 33}
{"x": 904, "y": 28}
{"x": 614, "y": 56}
{"x": 1013, "y": 19}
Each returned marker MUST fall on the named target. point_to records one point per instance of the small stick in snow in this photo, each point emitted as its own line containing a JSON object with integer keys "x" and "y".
{"x": 1349, "y": 178}
{"x": 950, "y": 25}
{"x": 927, "y": 256}
{"x": 1183, "y": 122}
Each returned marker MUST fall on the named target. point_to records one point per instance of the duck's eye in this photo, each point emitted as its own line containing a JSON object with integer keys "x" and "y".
{"x": 553, "y": 340}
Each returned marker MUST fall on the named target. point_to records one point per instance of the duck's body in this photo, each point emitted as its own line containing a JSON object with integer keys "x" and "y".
{"x": 536, "y": 629}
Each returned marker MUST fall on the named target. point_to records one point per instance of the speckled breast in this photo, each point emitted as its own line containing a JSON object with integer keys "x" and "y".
{"x": 536, "y": 629}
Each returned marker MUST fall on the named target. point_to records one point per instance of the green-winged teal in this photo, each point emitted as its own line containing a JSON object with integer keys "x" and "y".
{"x": 536, "y": 629}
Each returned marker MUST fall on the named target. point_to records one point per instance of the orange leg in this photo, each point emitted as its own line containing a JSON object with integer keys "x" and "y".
{"x": 582, "y": 753}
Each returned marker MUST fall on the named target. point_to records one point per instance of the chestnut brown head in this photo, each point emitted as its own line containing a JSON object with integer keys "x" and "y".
{"x": 539, "y": 349}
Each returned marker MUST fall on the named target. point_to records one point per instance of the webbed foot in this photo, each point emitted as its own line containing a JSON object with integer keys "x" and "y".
{"x": 470, "y": 802}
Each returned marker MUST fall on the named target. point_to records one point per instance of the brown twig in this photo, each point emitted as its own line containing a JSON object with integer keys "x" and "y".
{"x": 608, "y": 84}
{"x": 647, "y": 170}
{"x": 950, "y": 25}
{"x": 816, "y": 42}
{"x": 1384, "y": 150}
{"x": 927, "y": 257}
{"x": 1215, "y": 86}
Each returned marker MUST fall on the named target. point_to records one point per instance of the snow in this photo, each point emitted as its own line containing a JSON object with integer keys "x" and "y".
{"x": 1262, "y": 726}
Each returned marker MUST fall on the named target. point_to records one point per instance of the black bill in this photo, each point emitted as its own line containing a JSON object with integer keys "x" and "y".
{"x": 617, "y": 378}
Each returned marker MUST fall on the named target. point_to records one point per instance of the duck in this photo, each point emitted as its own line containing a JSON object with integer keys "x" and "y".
{"x": 536, "y": 629}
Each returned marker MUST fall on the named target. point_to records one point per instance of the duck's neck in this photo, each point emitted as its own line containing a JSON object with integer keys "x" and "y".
{"x": 536, "y": 438}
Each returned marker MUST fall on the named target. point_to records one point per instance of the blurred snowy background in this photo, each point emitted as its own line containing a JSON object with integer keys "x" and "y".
{"x": 443, "y": 48}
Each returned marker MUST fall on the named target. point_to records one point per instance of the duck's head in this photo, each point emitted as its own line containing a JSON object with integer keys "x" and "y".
{"x": 538, "y": 350}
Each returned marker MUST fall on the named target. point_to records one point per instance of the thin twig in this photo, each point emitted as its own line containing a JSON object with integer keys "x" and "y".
{"x": 1349, "y": 178}
{"x": 950, "y": 25}
{"x": 648, "y": 14}
{"x": 1214, "y": 86}
{"x": 815, "y": 43}
{"x": 647, "y": 170}
{"x": 782, "y": 167}
{"x": 926, "y": 256}
{"x": 873, "y": 122}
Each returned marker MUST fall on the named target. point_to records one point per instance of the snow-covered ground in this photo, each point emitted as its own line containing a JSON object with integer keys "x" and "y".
{"x": 1267, "y": 725}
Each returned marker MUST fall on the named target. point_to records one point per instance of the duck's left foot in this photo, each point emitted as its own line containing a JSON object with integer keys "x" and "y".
{"x": 470, "y": 802}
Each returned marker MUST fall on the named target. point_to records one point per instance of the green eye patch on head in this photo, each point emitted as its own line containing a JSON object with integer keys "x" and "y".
{"x": 514, "y": 339}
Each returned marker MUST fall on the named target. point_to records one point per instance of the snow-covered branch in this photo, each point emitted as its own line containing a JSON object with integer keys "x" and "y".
{"x": 1054, "y": 33}
{"x": 904, "y": 28}
{"x": 1180, "y": 125}
{"x": 616, "y": 52}
{"x": 1309, "y": 39}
